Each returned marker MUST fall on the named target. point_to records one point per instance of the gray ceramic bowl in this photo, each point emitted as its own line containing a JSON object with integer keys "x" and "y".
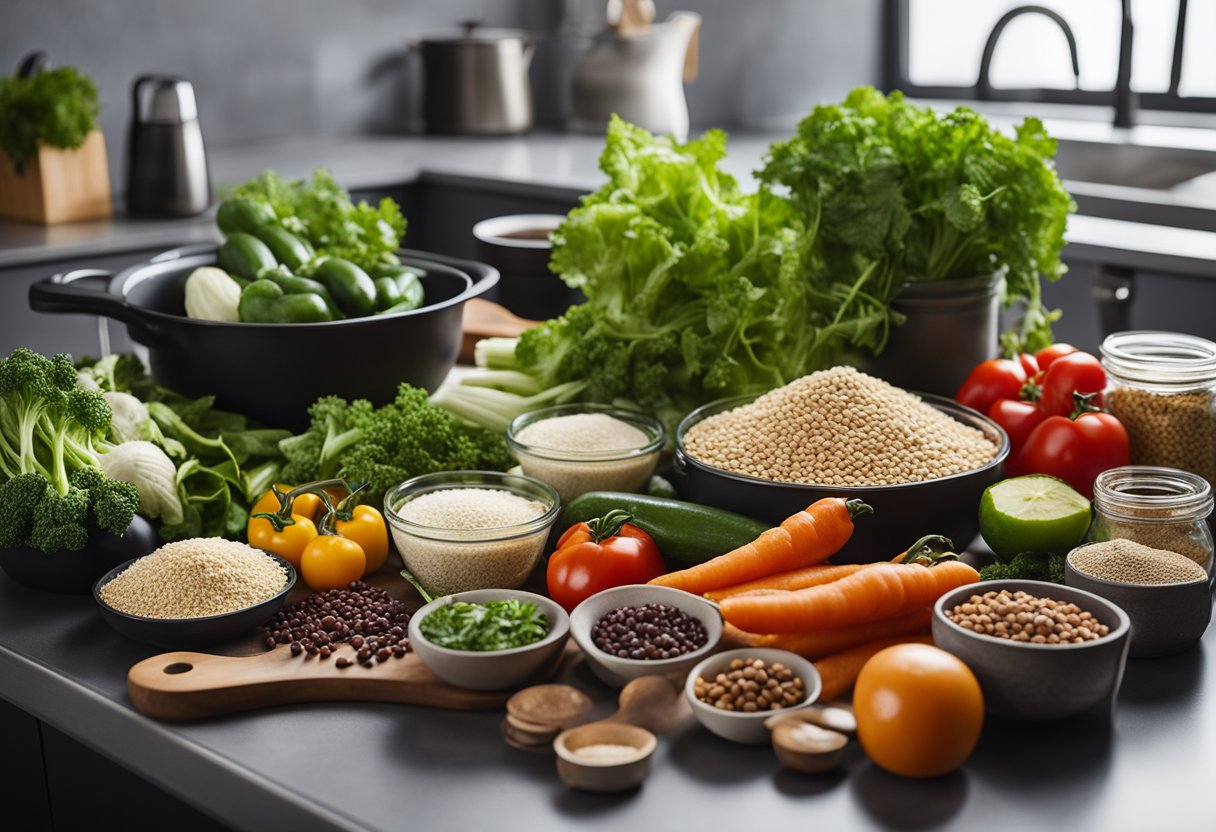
{"x": 1039, "y": 681}
{"x": 1166, "y": 618}
{"x": 899, "y": 510}
{"x": 618, "y": 672}
{"x": 495, "y": 669}
{"x": 738, "y": 726}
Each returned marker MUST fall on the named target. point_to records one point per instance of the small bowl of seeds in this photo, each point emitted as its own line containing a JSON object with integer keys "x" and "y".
{"x": 640, "y": 630}
{"x": 734, "y": 693}
{"x": 578, "y": 448}
{"x": 1165, "y": 594}
{"x": 1039, "y": 650}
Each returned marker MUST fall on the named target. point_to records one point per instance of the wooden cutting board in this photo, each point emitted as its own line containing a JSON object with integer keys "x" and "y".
{"x": 486, "y": 319}
{"x": 185, "y": 686}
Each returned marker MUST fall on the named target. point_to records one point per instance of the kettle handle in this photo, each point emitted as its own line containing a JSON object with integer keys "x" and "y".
{"x": 139, "y": 82}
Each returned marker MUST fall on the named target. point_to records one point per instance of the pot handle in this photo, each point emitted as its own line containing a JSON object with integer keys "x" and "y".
{"x": 59, "y": 295}
{"x": 184, "y": 251}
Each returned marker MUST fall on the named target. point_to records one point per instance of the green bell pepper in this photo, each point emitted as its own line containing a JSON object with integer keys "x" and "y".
{"x": 265, "y": 302}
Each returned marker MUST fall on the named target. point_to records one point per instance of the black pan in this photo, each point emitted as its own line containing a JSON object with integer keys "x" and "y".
{"x": 273, "y": 372}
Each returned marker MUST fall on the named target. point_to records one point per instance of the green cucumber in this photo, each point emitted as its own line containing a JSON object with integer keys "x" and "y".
{"x": 244, "y": 255}
{"x": 350, "y": 286}
{"x": 286, "y": 247}
{"x": 684, "y": 532}
{"x": 240, "y": 213}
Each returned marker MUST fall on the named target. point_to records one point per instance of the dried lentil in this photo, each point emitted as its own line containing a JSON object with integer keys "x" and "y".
{"x": 1020, "y": 616}
{"x": 195, "y": 578}
{"x": 1129, "y": 562}
{"x": 839, "y": 427}
{"x": 751, "y": 685}
{"x": 648, "y": 632}
{"x": 365, "y": 617}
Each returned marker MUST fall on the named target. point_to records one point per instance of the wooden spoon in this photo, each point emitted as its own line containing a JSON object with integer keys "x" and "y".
{"x": 805, "y": 746}
{"x": 838, "y": 718}
{"x": 651, "y": 702}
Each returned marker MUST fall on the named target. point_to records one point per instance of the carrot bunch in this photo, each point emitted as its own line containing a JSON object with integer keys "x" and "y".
{"x": 778, "y": 591}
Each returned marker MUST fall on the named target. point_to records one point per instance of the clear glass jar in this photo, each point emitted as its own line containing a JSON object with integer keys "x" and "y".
{"x": 1164, "y": 508}
{"x": 1162, "y": 387}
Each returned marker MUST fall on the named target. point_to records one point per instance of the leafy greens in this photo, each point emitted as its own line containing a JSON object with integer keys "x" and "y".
{"x": 496, "y": 625}
{"x": 57, "y": 108}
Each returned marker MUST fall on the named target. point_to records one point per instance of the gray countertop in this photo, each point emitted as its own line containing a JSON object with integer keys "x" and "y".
{"x": 382, "y": 767}
{"x": 537, "y": 162}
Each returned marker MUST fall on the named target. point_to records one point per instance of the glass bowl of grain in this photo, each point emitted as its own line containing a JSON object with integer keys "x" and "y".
{"x": 464, "y": 530}
{"x": 578, "y": 448}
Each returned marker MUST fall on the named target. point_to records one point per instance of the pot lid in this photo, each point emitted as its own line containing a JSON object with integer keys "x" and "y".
{"x": 474, "y": 32}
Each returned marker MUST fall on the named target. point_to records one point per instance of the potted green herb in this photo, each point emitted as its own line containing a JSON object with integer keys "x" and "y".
{"x": 52, "y": 155}
{"x": 918, "y": 219}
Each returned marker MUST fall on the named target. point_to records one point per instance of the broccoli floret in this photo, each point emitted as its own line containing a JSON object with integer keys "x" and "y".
{"x": 112, "y": 505}
{"x": 60, "y": 521}
{"x": 1027, "y": 566}
{"x": 19, "y": 498}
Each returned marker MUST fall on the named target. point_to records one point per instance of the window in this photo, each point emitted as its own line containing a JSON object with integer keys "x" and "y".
{"x": 935, "y": 50}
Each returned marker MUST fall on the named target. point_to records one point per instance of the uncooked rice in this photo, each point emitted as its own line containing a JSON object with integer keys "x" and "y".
{"x": 583, "y": 433}
{"x": 195, "y": 578}
{"x": 839, "y": 427}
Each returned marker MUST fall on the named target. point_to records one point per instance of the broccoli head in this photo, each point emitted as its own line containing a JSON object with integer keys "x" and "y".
{"x": 60, "y": 521}
{"x": 19, "y": 498}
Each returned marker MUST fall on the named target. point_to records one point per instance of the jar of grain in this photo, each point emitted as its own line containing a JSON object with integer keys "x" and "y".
{"x": 1162, "y": 387}
{"x": 1163, "y": 508}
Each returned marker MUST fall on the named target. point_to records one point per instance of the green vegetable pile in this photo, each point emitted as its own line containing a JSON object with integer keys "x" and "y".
{"x": 497, "y": 625}
{"x": 1027, "y": 566}
{"x": 387, "y": 445}
{"x": 57, "y": 108}
{"x": 52, "y": 435}
{"x": 896, "y": 193}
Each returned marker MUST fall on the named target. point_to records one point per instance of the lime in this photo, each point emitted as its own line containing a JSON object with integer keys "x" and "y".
{"x": 1036, "y": 513}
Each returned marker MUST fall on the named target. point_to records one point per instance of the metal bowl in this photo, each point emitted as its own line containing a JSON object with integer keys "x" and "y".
{"x": 273, "y": 372}
{"x": 902, "y": 513}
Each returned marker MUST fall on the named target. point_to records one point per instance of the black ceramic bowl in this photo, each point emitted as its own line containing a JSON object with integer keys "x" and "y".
{"x": 74, "y": 573}
{"x": 273, "y": 372}
{"x": 191, "y": 633}
{"x": 902, "y": 513}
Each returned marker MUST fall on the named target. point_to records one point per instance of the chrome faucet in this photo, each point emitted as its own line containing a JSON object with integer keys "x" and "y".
{"x": 1125, "y": 97}
{"x": 983, "y": 86}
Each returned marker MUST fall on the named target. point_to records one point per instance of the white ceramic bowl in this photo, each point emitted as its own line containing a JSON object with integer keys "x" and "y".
{"x": 612, "y": 775}
{"x": 573, "y": 473}
{"x": 740, "y": 726}
{"x": 618, "y": 672}
{"x": 494, "y": 669}
{"x": 457, "y": 560}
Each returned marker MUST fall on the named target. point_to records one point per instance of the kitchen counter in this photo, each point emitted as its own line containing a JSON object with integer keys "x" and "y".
{"x": 534, "y": 164}
{"x": 381, "y": 767}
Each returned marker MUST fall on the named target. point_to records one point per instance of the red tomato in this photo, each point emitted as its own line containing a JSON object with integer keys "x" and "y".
{"x": 1048, "y": 355}
{"x": 998, "y": 378}
{"x": 1018, "y": 419}
{"x": 1077, "y": 450}
{"x": 1029, "y": 364}
{"x": 1077, "y": 372}
{"x": 591, "y": 557}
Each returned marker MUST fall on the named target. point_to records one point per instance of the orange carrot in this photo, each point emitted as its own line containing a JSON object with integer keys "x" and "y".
{"x": 882, "y": 591}
{"x": 808, "y": 537}
{"x": 808, "y": 576}
{"x": 839, "y": 671}
{"x": 732, "y": 636}
{"x": 820, "y": 643}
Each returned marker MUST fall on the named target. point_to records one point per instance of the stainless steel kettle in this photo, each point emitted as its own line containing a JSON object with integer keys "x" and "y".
{"x": 166, "y": 163}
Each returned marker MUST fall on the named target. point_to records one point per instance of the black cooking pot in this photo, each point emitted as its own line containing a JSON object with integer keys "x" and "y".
{"x": 273, "y": 372}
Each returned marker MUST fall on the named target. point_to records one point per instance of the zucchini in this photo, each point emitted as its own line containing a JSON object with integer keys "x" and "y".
{"x": 240, "y": 213}
{"x": 286, "y": 247}
{"x": 684, "y": 532}
{"x": 244, "y": 255}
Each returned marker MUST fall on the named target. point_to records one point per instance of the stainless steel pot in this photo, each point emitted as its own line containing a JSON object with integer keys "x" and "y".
{"x": 477, "y": 82}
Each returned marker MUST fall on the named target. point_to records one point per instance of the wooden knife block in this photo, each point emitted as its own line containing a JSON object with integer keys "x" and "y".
{"x": 58, "y": 185}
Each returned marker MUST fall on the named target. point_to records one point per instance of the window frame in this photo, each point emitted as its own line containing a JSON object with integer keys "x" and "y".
{"x": 896, "y": 49}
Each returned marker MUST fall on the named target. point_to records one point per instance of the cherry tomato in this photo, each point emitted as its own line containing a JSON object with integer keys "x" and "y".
{"x": 306, "y": 504}
{"x": 366, "y": 527}
{"x": 609, "y": 551}
{"x": 1030, "y": 364}
{"x": 1047, "y": 356}
{"x": 998, "y": 378}
{"x": 1075, "y": 451}
{"x": 332, "y": 562}
{"x": 289, "y": 543}
{"x": 1018, "y": 419}
{"x": 1077, "y": 372}
{"x": 919, "y": 710}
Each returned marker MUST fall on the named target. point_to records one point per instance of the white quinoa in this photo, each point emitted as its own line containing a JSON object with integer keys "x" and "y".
{"x": 584, "y": 436}
{"x": 195, "y": 578}
{"x": 465, "y": 560}
{"x": 1129, "y": 562}
{"x": 583, "y": 433}
{"x": 839, "y": 427}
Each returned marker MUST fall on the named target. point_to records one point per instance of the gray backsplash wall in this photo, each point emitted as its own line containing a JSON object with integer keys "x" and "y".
{"x": 266, "y": 69}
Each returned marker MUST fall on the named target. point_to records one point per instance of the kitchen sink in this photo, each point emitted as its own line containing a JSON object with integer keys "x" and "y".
{"x": 1133, "y": 166}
